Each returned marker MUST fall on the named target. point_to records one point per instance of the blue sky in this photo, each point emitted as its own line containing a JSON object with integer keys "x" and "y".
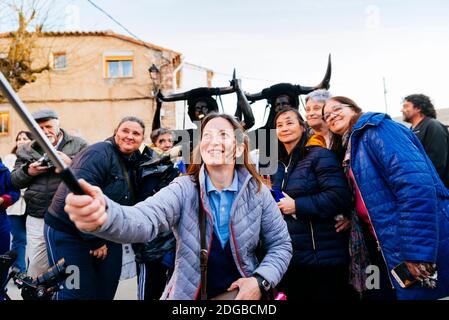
{"x": 404, "y": 41}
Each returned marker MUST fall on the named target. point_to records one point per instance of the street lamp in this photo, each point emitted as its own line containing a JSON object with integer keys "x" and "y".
{"x": 155, "y": 76}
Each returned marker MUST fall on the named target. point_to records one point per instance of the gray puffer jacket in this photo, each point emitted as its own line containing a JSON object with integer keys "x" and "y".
{"x": 41, "y": 189}
{"x": 254, "y": 216}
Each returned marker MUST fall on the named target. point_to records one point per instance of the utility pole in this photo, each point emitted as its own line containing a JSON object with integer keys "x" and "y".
{"x": 385, "y": 95}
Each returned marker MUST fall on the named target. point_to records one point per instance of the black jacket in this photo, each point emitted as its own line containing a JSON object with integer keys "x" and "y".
{"x": 435, "y": 140}
{"x": 40, "y": 189}
{"x": 100, "y": 165}
{"x": 154, "y": 173}
{"x": 315, "y": 180}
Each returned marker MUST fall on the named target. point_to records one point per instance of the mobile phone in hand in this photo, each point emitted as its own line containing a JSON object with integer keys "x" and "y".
{"x": 403, "y": 275}
{"x": 277, "y": 194}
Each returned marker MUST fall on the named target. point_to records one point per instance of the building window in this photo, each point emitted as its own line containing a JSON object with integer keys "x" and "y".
{"x": 119, "y": 65}
{"x": 59, "y": 61}
{"x": 4, "y": 123}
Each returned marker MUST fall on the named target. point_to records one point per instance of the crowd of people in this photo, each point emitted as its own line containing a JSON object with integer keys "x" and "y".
{"x": 357, "y": 208}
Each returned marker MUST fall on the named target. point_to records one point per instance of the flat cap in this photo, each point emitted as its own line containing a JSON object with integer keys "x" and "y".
{"x": 44, "y": 114}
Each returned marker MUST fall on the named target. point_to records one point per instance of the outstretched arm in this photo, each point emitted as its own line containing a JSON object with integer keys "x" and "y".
{"x": 95, "y": 213}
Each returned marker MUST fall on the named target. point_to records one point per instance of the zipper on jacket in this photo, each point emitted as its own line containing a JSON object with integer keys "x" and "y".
{"x": 313, "y": 235}
{"x": 285, "y": 171}
{"x": 379, "y": 248}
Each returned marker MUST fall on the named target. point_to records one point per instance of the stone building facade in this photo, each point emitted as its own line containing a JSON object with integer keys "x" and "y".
{"x": 96, "y": 78}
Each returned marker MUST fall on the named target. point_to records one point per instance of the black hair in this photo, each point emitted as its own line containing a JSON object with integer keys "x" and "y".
{"x": 423, "y": 103}
{"x": 158, "y": 132}
{"x": 336, "y": 143}
{"x": 27, "y": 133}
{"x": 299, "y": 149}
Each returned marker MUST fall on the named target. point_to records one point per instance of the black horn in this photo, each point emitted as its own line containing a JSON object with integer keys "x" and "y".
{"x": 270, "y": 93}
{"x": 255, "y": 96}
{"x": 324, "y": 84}
{"x": 196, "y": 93}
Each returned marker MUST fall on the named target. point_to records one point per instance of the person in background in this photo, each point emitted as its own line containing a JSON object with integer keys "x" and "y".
{"x": 314, "y": 104}
{"x": 399, "y": 198}
{"x": 418, "y": 110}
{"x": 16, "y": 212}
{"x": 111, "y": 165}
{"x": 239, "y": 212}
{"x": 34, "y": 172}
{"x": 162, "y": 139}
{"x": 315, "y": 193}
{"x": 155, "y": 259}
{"x": 8, "y": 195}
{"x": 162, "y": 143}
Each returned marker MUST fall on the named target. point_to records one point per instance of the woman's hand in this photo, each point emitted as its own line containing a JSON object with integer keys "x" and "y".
{"x": 100, "y": 253}
{"x": 88, "y": 212}
{"x": 287, "y": 205}
{"x": 342, "y": 224}
{"x": 248, "y": 289}
{"x": 420, "y": 271}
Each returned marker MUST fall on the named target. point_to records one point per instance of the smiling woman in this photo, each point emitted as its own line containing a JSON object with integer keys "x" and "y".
{"x": 128, "y": 136}
{"x": 314, "y": 105}
{"x": 111, "y": 165}
{"x": 399, "y": 198}
{"x": 239, "y": 211}
{"x": 315, "y": 193}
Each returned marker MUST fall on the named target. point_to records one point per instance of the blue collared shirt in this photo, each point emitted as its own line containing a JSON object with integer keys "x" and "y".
{"x": 221, "y": 203}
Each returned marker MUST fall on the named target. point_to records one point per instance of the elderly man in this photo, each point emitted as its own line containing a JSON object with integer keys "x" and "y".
{"x": 36, "y": 173}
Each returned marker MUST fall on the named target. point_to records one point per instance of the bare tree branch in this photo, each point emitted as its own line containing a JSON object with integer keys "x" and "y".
{"x": 30, "y": 17}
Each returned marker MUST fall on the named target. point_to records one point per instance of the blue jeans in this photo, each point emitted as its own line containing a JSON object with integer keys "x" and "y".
{"x": 5, "y": 229}
{"x": 98, "y": 278}
{"x": 19, "y": 240}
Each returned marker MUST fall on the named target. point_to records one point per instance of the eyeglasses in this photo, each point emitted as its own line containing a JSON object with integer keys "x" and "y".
{"x": 161, "y": 141}
{"x": 336, "y": 110}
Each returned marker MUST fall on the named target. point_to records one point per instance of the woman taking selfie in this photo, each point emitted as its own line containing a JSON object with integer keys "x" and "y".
{"x": 222, "y": 186}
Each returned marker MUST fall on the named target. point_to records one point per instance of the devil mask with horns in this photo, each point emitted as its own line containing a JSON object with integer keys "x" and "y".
{"x": 278, "y": 96}
{"x": 200, "y": 103}
{"x": 286, "y": 94}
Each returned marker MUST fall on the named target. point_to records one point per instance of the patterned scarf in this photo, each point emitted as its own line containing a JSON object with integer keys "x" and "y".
{"x": 358, "y": 253}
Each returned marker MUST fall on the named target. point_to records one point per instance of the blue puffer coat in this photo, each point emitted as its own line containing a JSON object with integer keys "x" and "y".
{"x": 320, "y": 190}
{"x": 406, "y": 200}
{"x": 9, "y": 195}
{"x": 7, "y": 190}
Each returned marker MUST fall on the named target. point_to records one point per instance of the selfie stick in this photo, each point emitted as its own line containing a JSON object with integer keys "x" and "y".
{"x": 66, "y": 174}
